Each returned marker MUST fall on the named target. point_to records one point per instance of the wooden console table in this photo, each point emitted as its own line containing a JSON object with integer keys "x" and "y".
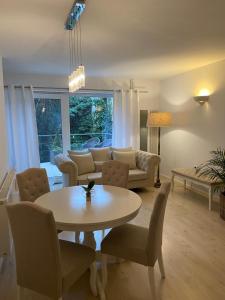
{"x": 191, "y": 175}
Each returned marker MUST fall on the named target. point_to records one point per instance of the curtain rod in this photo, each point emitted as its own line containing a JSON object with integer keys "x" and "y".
{"x": 63, "y": 90}
{"x": 55, "y": 88}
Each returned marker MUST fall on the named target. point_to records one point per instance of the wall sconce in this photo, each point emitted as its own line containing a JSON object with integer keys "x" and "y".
{"x": 201, "y": 99}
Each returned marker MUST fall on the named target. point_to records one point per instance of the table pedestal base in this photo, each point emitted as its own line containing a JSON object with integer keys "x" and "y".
{"x": 89, "y": 240}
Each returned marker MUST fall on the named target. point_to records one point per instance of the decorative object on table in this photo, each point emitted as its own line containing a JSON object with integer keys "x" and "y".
{"x": 159, "y": 119}
{"x": 77, "y": 76}
{"x": 88, "y": 190}
{"x": 214, "y": 168}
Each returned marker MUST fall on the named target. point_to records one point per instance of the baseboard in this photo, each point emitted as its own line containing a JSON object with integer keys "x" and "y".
{"x": 192, "y": 187}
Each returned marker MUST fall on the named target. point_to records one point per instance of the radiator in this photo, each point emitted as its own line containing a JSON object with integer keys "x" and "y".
{"x": 6, "y": 189}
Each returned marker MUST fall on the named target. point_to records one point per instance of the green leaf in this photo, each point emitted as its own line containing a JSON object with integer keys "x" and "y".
{"x": 91, "y": 184}
{"x": 214, "y": 168}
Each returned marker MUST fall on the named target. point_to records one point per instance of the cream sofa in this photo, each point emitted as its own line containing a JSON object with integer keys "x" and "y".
{"x": 142, "y": 176}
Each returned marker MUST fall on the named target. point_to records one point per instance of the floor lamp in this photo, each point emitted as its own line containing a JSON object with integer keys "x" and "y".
{"x": 159, "y": 119}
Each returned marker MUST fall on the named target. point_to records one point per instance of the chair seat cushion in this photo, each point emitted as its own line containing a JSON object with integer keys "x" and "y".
{"x": 75, "y": 260}
{"x": 127, "y": 241}
{"x": 137, "y": 174}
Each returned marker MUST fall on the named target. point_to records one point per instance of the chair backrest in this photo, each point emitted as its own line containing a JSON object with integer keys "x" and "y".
{"x": 36, "y": 248}
{"x": 115, "y": 173}
{"x": 156, "y": 224}
{"x": 32, "y": 184}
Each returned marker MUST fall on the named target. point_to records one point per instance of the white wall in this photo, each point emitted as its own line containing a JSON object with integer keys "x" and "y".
{"x": 3, "y": 138}
{"x": 197, "y": 129}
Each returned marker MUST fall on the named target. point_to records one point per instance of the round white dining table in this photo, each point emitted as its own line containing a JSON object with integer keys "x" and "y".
{"x": 109, "y": 207}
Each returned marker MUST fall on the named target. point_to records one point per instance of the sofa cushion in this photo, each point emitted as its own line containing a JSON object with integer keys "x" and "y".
{"x": 85, "y": 178}
{"x": 98, "y": 166}
{"x": 128, "y": 157}
{"x": 125, "y": 149}
{"x": 100, "y": 154}
{"x": 84, "y": 163}
{"x": 77, "y": 152}
{"x": 137, "y": 174}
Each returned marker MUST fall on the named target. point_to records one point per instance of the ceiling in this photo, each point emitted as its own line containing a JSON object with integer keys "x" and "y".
{"x": 128, "y": 38}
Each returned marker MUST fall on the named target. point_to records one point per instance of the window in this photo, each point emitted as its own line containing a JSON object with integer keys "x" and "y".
{"x": 90, "y": 121}
{"x": 49, "y": 125}
{"x": 71, "y": 122}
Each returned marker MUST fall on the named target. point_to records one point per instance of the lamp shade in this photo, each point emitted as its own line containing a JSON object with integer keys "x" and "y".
{"x": 159, "y": 119}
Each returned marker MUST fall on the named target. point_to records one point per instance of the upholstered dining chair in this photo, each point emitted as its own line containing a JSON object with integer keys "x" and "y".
{"x": 43, "y": 263}
{"x": 32, "y": 183}
{"x": 115, "y": 173}
{"x": 138, "y": 244}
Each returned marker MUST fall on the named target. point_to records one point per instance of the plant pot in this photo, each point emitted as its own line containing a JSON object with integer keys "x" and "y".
{"x": 222, "y": 206}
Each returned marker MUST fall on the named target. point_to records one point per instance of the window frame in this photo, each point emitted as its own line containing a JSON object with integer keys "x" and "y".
{"x": 65, "y": 116}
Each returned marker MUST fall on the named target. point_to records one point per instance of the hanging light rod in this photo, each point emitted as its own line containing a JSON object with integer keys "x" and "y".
{"x": 75, "y": 13}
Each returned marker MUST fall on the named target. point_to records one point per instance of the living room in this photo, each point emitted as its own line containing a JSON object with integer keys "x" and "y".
{"x": 139, "y": 59}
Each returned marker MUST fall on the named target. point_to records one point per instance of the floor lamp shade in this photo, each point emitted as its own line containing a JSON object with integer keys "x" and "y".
{"x": 159, "y": 119}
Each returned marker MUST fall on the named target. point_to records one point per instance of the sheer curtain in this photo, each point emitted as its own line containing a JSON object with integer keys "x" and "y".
{"x": 22, "y": 128}
{"x": 126, "y": 119}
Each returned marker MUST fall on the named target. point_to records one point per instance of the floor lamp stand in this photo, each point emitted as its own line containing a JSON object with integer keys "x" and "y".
{"x": 158, "y": 183}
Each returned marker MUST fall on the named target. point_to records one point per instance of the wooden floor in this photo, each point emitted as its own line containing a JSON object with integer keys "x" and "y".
{"x": 193, "y": 249}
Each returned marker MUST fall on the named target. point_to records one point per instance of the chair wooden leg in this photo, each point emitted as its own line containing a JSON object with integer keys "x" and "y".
{"x": 93, "y": 279}
{"x": 104, "y": 270}
{"x": 151, "y": 277}
{"x": 161, "y": 265}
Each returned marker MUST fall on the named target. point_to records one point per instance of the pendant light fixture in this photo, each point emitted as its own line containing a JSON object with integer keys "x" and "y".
{"x": 73, "y": 25}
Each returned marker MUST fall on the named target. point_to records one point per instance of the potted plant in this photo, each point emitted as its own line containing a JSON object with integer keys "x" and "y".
{"x": 88, "y": 189}
{"x": 214, "y": 168}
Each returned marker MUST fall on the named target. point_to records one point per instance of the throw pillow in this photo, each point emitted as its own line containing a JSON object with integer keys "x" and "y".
{"x": 128, "y": 157}
{"x": 100, "y": 154}
{"x": 84, "y": 163}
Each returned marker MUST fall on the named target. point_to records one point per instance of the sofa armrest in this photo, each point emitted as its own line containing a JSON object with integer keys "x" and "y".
{"x": 67, "y": 167}
{"x": 148, "y": 162}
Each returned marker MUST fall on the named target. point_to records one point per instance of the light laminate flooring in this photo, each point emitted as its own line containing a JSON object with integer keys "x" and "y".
{"x": 193, "y": 250}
